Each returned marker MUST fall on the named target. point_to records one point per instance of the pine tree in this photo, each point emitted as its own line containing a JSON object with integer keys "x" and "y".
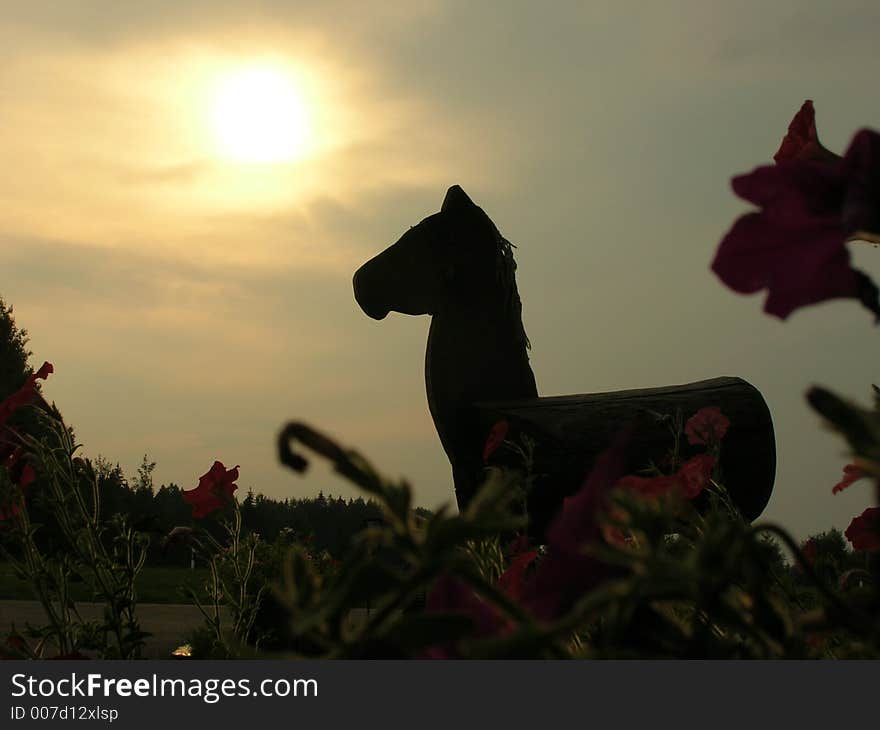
{"x": 15, "y": 370}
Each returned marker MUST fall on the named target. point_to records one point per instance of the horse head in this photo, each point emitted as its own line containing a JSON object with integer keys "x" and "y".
{"x": 448, "y": 256}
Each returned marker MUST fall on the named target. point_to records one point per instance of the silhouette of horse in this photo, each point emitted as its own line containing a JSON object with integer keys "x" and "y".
{"x": 457, "y": 267}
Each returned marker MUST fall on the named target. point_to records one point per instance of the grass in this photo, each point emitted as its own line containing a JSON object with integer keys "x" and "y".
{"x": 156, "y": 584}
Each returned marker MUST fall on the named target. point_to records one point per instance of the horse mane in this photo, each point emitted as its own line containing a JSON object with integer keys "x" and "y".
{"x": 505, "y": 274}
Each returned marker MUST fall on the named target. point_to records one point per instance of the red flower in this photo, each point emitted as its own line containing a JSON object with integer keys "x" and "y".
{"x": 811, "y": 204}
{"x": 21, "y": 473}
{"x": 695, "y": 473}
{"x": 495, "y": 439}
{"x": 864, "y": 531}
{"x": 25, "y": 394}
{"x": 513, "y": 580}
{"x": 851, "y": 473}
{"x": 690, "y": 479}
{"x": 214, "y": 490}
{"x": 707, "y": 426}
{"x": 802, "y": 142}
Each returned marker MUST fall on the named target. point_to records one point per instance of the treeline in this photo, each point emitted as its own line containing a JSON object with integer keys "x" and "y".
{"x": 322, "y": 522}
{"x": 325, "y": 523}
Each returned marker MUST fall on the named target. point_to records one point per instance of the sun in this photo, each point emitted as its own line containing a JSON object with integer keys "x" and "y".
{"x": 259, "y": 115}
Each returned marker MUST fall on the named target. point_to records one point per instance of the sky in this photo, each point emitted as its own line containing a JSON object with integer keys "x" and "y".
{"x": 193, "y": 301}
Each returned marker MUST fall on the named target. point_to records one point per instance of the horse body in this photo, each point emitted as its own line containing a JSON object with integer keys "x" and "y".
{"x": 456, "y": 267}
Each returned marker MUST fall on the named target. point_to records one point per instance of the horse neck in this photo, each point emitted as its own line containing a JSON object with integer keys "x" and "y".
{"x": 476, "y": 352}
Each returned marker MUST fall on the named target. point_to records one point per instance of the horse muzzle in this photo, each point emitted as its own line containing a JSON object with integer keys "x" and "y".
{"x": 365, "y": 295}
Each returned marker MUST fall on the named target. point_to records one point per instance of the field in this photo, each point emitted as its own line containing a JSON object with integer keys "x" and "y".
{"x": 156, "y": 584}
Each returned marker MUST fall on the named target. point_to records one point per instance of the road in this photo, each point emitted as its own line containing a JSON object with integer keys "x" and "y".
{"x": 169, "y": 623}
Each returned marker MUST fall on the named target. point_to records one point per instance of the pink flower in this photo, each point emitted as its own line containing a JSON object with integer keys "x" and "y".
{"x": 802, "y": 142}
{"x": 495, "y": 439}
{"x": 864, "y": 531}
{"x": 811, "y": 205}
{"x": 851, "y": 473}
{"x": 215, "y": 488}
{"x": 707, "y": 426}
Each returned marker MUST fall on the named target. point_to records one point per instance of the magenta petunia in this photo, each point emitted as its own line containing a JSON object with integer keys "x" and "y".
{"x": 864, "y": 531}
{"x": 707, "y": 426}
{"x": 568, "y": 570}
{"x": 689, "y": 481}
{"x": 802, "y": 141}
{"x": 810, "y": 206}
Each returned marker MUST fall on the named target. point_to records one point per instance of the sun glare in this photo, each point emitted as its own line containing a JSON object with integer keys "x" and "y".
{"x": 259, "y": 116}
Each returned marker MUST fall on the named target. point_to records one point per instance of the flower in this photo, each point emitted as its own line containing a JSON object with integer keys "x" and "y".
{"x": 802, "y": 142}
{"x": 513, "y": 580}
{"x": 25, "y": 394}
{"x": 690, "y": 479}
{"x": 864, "y": 531}
{"x": 495, "y": 439}
{"x": 568, "y": 570}
{"x": 695, "y": 473}
{"x": 851, "y": 473}
{"x": 21, "y": 473}
{"x": 215, "y": 488}
{"x": 811, "y": 205}
{"x": 707, "y": 426}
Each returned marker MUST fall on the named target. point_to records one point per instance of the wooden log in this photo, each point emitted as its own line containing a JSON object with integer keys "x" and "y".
{"x": 571, "y": 431}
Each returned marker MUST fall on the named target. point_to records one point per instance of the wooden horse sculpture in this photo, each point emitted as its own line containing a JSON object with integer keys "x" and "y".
{"x": 458, "y": 268}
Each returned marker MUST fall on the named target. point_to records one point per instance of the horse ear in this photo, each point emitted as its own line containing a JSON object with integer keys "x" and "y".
{"x": 456, "y": 199}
